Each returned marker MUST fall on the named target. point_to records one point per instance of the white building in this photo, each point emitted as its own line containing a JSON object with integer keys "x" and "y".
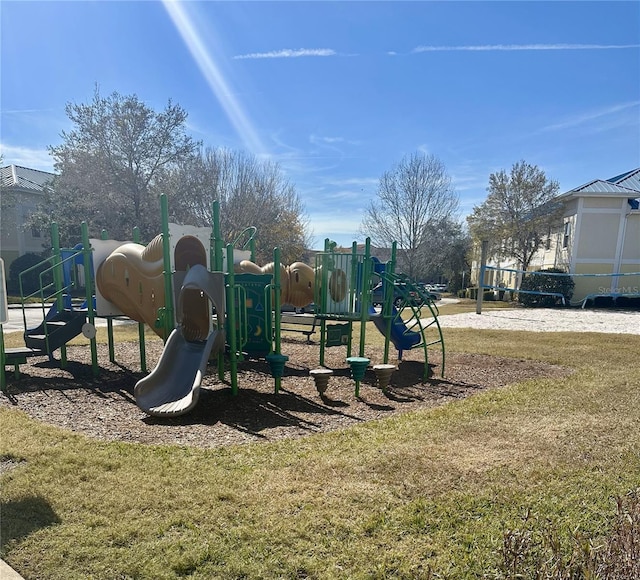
{"x": 600, "y": 234}
{"x": 21, "y": 189}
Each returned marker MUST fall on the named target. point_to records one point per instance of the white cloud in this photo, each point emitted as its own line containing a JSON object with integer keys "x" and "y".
{"x": 512, "y": 47}
{"x": 288, "y": 53}
{"x": 26, "y": 157}
{"x": 590, "y": 116}
{"x": 330, "y": 225}
{"x": 469, "y": 182}
{"x": 327, "y": 139}
{"x": 319, "y": 140}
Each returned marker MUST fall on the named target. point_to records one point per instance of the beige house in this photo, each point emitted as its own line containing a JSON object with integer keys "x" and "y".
{"x": 599, "y": 240}
{"x": 21, "y": 190}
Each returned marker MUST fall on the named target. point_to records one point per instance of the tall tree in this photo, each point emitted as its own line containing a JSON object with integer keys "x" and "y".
{"x": 518, "y": 213}
{"x": 414, "y": 196}
{"x": 445, "y": 254}
{"x": 108, "y": 163}
{"x": 251, "y": 192}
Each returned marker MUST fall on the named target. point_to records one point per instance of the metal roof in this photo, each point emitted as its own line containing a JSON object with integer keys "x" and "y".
{"x": 629, "y": 179}
{"x": 18, "y": 177}
{"x": 624, "y": 185}
{"x": 599, "y": 186}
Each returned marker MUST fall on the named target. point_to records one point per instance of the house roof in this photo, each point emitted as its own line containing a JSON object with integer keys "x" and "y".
{"x": 599, "y": 186}
{"x": 18, "y": 177}
{"x": 629, "y": 179}
{"x": 623, "y": 185}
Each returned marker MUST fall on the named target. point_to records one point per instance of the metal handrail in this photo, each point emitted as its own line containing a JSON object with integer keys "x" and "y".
{"x": 56, "y": 295}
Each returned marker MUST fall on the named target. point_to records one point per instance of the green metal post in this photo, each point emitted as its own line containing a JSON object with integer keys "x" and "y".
{"x": 364, "y": 314}
{"x": 89, "y": 293}
{"x": 354, "y": 278}
{"x": 57, "y": 260}
{"x": 323, "y": 330}
{"x": 141, "y": 337}
{"x": 3, "y": 379}
{"x": 276, "y": 359}
{"x": 57, "y": 281}
{"x": 217, "y": 238}
{"x": 216, "y": 264}
{"x": 231, "y": 322}
{"x": 389, "y": 267}
{"x": 110, "y": 340}
{"x": 169, "y": 315}
{"x": 276, "y": 299}
{"x": 324, "y": 282}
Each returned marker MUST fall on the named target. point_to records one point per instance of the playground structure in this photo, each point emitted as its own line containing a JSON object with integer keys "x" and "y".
{"x": 217, "y": 304}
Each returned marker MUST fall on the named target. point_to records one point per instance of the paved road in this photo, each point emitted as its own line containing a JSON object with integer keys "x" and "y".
{"x": 34, "y": 318}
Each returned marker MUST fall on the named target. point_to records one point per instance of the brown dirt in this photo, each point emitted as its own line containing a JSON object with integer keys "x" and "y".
{"x": 104, "y": 407}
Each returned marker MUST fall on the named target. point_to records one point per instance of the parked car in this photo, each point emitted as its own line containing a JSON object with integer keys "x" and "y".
{"x": 400, "y": 291}
{"x": 289, "y": 308}
{"x": 432, "y": 291}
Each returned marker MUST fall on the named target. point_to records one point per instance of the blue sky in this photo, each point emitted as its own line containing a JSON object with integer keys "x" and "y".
{"x": 339, "y": 92}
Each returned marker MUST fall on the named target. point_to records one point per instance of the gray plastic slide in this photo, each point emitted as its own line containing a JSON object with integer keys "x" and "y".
{"x": 173, "y": 387}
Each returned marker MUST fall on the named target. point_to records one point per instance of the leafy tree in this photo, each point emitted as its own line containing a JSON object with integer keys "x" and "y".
{"x": 518, "y": 212}
{"x": 108, "y": 164}
{"x": 413, "y": 197}
{"x": 444, "y": 252}
{"x": 251, "y": 193}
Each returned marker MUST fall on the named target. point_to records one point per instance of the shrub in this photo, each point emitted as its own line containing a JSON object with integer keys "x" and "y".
{"x": 540, "y": 282}
{"x": 31, "y": 281}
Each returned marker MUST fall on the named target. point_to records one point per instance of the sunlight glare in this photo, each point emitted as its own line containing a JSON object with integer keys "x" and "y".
{"x": 213, "y": 75}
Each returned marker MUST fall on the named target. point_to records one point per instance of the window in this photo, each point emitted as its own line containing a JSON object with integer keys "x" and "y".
{"x": 567, "y": 233}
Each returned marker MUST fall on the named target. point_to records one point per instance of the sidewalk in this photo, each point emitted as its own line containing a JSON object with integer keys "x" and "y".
{"x": 8, "y": 573}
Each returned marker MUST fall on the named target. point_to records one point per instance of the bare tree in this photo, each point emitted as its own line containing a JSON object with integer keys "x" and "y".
{"x": 518, "y": 212}
{"x": 251, "y": 193}
{"x": 108, "y": 162}
{"x": 445, "y": 254}
{"x": 412, "y": 198}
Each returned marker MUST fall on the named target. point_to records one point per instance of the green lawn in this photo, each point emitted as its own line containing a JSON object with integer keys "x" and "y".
{"x": 511, "y": 479}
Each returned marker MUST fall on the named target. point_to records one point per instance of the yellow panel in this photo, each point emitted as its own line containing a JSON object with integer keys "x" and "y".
{"x": 598, "y": 236}
{"x": 602, "y": 202}
{"x": 631, "y": 250}
{"x": 629, "y": 284}
{"x": 594, "y": 268}
{"x": 591, "y": 285}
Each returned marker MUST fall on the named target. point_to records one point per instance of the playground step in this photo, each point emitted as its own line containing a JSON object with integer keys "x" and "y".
{"x": 60, "y": 329}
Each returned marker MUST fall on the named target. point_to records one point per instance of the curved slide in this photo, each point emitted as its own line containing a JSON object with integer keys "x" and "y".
{"x": 401, "y": 337}
{"x": 173, "y": 386}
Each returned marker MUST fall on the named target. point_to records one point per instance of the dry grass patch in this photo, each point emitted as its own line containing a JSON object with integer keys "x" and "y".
{"x": 427, "y": 494}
